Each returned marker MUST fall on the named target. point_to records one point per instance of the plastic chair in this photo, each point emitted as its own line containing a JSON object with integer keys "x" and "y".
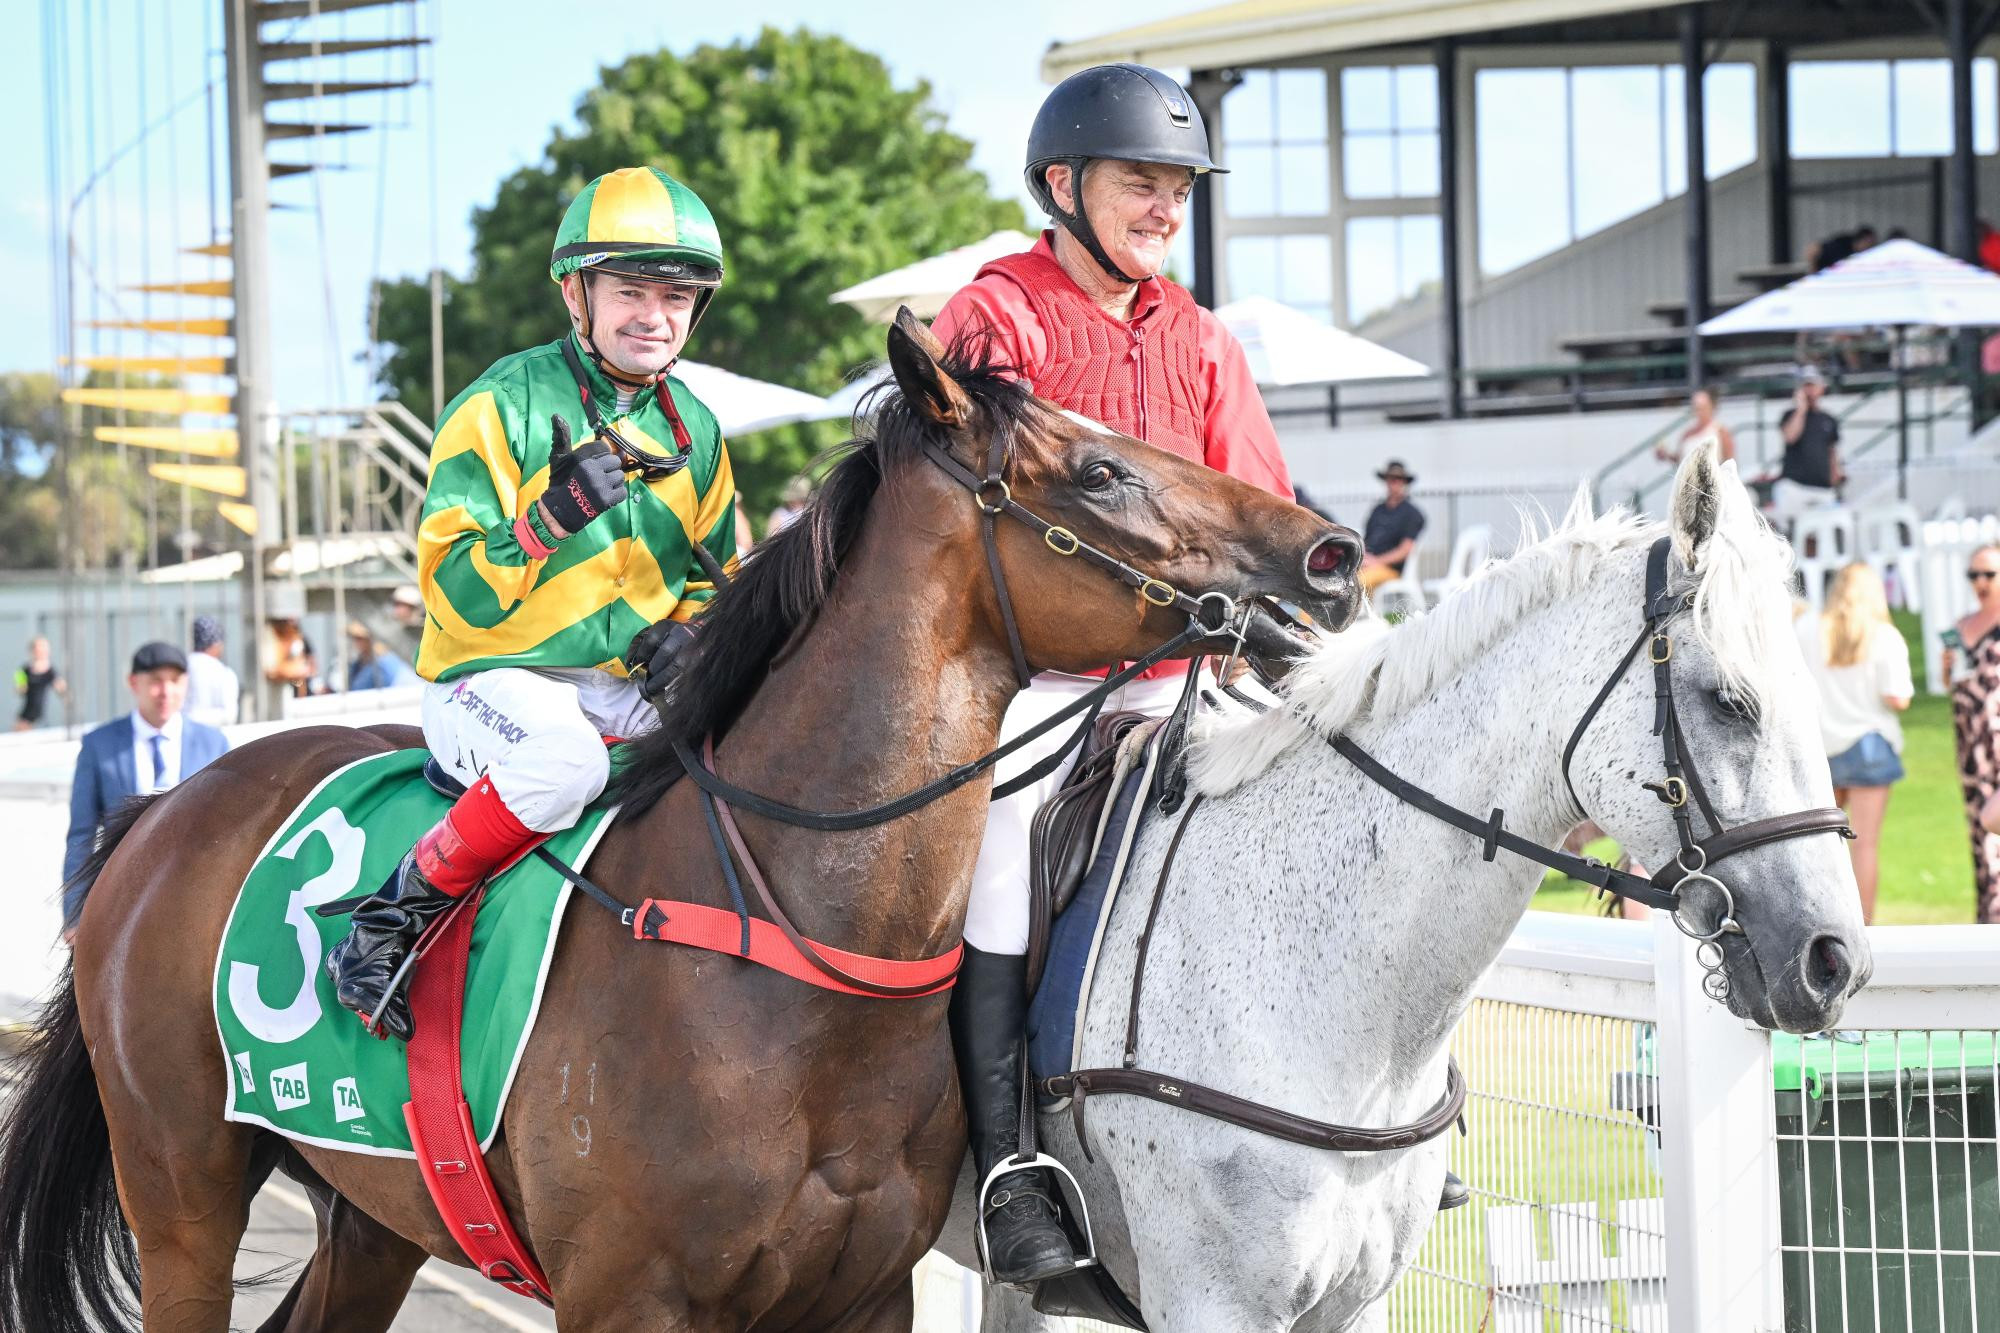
{"x": 1404, "y": 594}
{"x": 1469, "y": 553}
{"x": 1889, "y": 542}
{"x": 1824, "y": 538}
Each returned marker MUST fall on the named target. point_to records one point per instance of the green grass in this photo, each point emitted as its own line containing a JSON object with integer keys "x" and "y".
{"x": 1926, "y": 849}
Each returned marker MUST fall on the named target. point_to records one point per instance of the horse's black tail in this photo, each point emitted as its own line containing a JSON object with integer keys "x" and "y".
{"x": 67, "y": 1261}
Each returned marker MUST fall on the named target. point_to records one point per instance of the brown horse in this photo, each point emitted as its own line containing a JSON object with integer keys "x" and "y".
{"x": 692, "y": 1142}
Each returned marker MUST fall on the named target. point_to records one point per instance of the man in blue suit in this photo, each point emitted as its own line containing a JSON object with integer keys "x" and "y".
{"x": 148, "y": 750}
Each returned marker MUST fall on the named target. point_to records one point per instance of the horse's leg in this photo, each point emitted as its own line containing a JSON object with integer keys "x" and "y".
{"x": 357, "y": 1278}
{"x": 896, "y": 1312}
{"x": 185, "y": 1202}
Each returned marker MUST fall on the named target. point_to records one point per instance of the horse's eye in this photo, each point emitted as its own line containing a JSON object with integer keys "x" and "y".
{"x": 1097, "y": 476}
{"x": 1734, "y": 705}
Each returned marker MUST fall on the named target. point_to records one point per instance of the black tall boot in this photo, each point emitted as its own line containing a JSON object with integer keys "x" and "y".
{"x": 1025, "y": 1240}
{"x": 384, "y": 930}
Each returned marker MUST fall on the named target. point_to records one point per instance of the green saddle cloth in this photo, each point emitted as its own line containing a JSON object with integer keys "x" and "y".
{"x": 298, "y": 1062}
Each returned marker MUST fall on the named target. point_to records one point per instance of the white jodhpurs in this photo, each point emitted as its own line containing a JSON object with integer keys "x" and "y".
{"x": 997, "y": 920}
{"x": 539, "y": 735}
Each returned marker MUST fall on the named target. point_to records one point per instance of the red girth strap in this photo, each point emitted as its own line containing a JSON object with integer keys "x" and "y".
{"x": 440, "y": 1122}
{"x": 722, "y": 932}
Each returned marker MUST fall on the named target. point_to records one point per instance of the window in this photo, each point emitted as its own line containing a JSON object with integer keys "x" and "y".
{"x": 1275, "y": 145}
{"x": 1297, "y": 270}
{"x": 1886, "y": 108}
{"x": 1565, "y": 152}
{"x": 1389, "y": 132}
{"x": 1391, "y": 260}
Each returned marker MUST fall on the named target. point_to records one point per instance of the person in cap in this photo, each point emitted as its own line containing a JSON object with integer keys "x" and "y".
{"x": 1392, "y": 529}
{"x": 791, "y": 503}
{"x": 557, "y": 573}
{"x": 148, "y": 750}
{"x": 1089, "y": 318}
{"x": 1811, "y": 468}
{"x": 214, "y": 694}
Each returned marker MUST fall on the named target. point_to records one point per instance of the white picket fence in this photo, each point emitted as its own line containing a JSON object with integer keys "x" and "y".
{"x": 1642, "y": 1162}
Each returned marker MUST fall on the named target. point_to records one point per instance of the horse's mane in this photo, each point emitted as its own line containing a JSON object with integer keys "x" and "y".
{"x": 1377, "y": 671}
{"x": 787, "y": 578}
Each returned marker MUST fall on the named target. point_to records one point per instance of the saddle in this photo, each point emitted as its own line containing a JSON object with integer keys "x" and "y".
{"x": 1064, "y": 833}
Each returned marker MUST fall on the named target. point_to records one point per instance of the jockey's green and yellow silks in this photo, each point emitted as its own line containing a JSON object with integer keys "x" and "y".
{"x": 488, "y": 602}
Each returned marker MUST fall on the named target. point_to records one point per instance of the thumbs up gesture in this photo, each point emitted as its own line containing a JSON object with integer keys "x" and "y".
{"x": 583, "y": 482}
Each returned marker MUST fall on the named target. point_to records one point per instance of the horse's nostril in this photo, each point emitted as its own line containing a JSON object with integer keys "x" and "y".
{"x": 1331, "y": 556}
{"x": 1828, "y": 966}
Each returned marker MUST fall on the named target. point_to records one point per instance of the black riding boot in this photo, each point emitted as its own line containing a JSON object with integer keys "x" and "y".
{"x": 1025, "y": 1240}
{"x": 1454, "y": 1195}
{"x": 385, "y": 929}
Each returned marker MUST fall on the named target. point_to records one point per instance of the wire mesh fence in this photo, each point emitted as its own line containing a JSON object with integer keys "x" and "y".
{"x": 1566, "y": 1226}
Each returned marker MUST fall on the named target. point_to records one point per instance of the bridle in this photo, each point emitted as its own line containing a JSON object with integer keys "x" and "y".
{"x": 1683, "y": 791}
{"x": 1681, "y": 788}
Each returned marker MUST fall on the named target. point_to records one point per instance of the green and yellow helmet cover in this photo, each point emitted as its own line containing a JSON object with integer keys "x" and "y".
{"x": 642, "y": 221}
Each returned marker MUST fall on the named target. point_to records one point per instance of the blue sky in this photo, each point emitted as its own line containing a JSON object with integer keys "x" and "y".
{"x": 507, "y": 72}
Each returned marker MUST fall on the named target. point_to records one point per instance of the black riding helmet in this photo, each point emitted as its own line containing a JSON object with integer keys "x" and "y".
{"x": 1126, "y": 112}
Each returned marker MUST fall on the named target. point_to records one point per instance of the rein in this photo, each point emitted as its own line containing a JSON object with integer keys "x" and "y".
{"x": 1130, "y": 1080}
{"x": 777, "y": 943}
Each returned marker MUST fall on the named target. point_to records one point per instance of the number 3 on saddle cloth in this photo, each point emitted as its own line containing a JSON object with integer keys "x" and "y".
{"x": 303, "y": 1067}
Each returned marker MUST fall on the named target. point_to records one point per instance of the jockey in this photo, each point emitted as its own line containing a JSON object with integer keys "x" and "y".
{"x": 554, "y": 572}
{"x": 1089, "y": 319}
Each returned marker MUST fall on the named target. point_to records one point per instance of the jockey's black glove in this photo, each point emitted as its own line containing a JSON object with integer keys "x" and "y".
{"x": 651, "y": 656}
{"x": 583, "y": 482}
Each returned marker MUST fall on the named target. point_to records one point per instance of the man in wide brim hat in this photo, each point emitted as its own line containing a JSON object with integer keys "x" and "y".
{"x": 1392, "y": 529}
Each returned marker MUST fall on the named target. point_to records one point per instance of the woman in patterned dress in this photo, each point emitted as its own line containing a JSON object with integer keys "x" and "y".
{"x": 1972, "y": 665}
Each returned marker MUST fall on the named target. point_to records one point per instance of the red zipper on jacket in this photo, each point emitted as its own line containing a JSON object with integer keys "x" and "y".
{"x": 1139, "y": 372}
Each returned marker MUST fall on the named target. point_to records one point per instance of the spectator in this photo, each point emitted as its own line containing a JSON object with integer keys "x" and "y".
{"x": 791, "y": 503}
{"x": 1841, "y": 245}
{"x": 406, "y": 613}
{"x": 1862, "y": 668}
{"x": 373, "y": 666}
{"x": 744, "y": 537}
{"x": 1972, "y": 665}
{"x": 148, "y": 750}
{"x": 1392, "y": 529}
{"x": 33, "y": 682}
{"x": 286, "y": 657}
{"x": 214, "y": 694}
{"x": 1811, "y": 467}
{"x": 1703, "y": 429}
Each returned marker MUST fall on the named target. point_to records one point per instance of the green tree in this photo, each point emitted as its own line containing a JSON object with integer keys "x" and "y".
{"x": 820, "y": 173}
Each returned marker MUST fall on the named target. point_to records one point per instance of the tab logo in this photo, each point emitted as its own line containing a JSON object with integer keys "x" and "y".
{"x": 289, "y": 1090}
{"x": 346, "y": 1101}
{"x": 243, "y": 1072}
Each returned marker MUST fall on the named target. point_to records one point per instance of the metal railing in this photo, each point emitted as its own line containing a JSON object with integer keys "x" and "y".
{"x": 1640, "y": 1160}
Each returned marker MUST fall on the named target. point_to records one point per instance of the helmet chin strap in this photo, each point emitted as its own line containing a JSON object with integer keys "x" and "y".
{"x": 1077, "y": 223}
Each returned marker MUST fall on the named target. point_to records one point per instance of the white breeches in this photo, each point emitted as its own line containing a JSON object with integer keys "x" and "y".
{"x": 997, "y": 920}
{"x": 539, "y": 735}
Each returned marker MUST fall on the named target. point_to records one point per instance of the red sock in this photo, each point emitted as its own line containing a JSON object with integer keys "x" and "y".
{"x": 476, "y": 836}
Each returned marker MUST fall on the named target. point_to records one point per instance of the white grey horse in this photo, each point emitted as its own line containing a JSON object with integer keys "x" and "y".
{"x": 1319, "y": 940}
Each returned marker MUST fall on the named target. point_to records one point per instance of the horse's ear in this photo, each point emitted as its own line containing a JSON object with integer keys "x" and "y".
{"x": 914, "y": 353}
{"x": 1698, "y": 500}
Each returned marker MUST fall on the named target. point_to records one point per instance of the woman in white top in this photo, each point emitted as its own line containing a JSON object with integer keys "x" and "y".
{"x": 1700, "y": 431}
{"x": 1862, "y": 668}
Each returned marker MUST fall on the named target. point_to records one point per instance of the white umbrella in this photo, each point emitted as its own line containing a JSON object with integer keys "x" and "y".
{"x": 927, "y": 284}
{"x": 742, "y": 405}
{"x": 843, "y": 401}
{"x": 1285, "y": 347}
{"x": 1896, "y": 283}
